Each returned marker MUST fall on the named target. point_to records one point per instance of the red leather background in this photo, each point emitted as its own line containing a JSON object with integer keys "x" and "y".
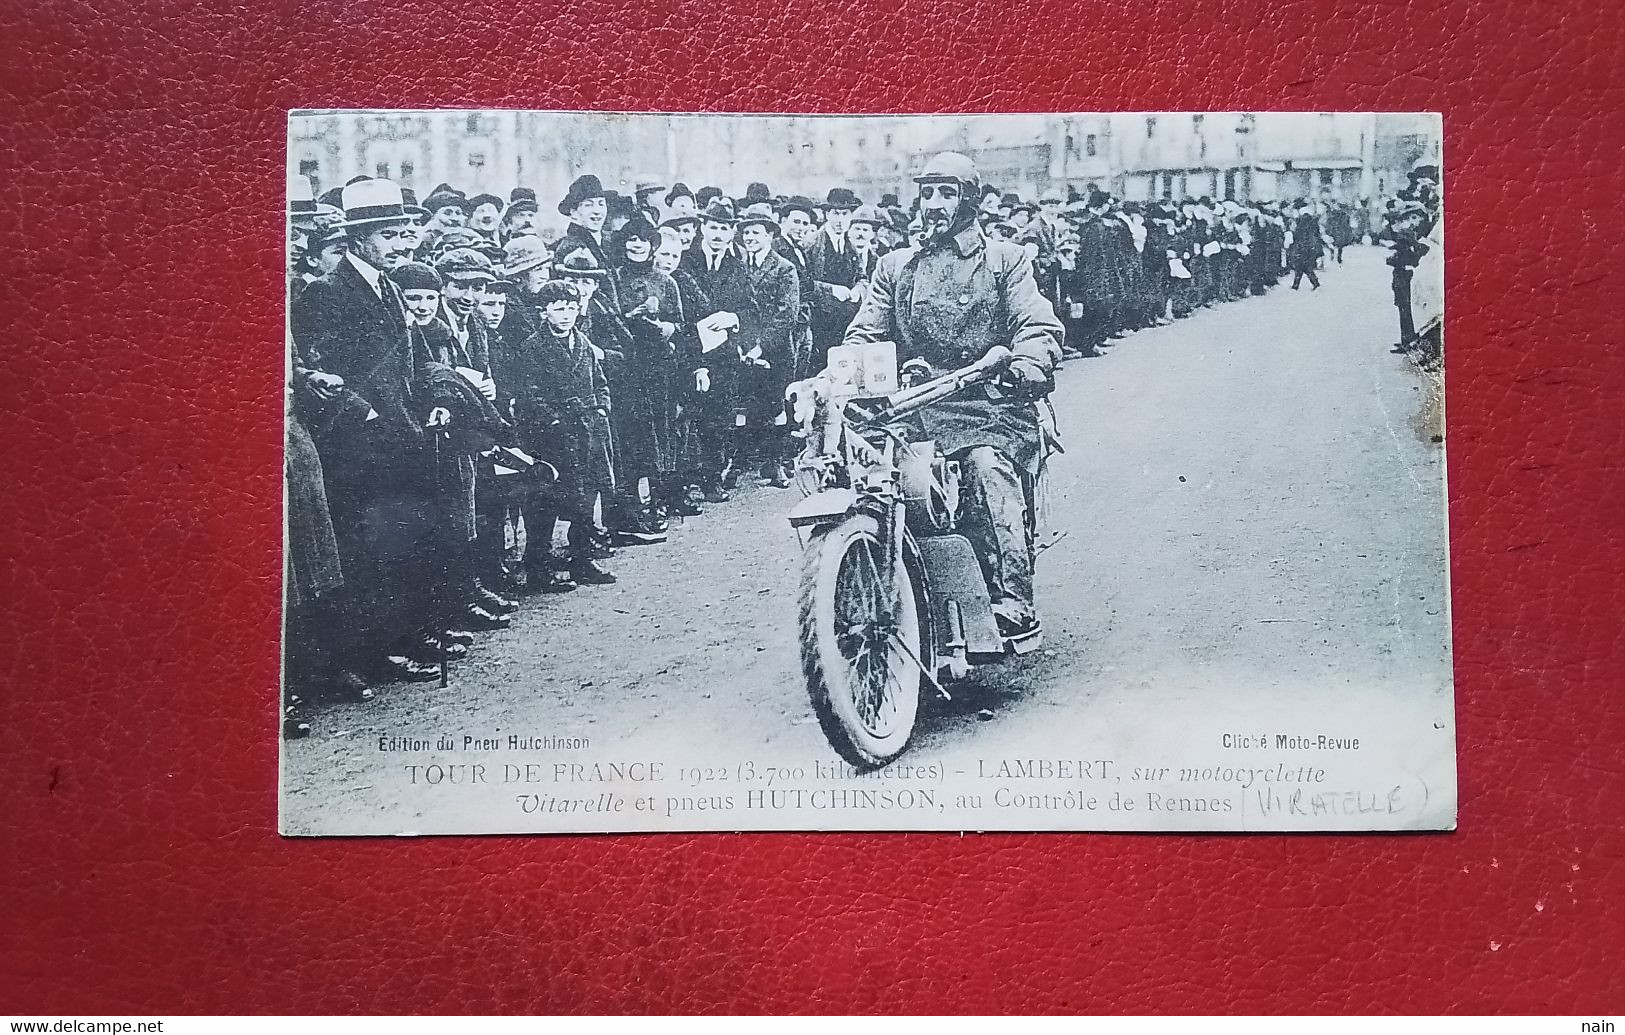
{"x": 141, "y": 225}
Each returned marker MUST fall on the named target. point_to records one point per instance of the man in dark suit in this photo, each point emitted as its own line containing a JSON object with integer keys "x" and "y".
{"x": 586, "y": 205}
{"x": 767, "y": 329}
{"x": 830, "y": 265}
{"x": 350, "y": 329}
{"x": 720, "y": 277}
{"x": 798, "y": 224}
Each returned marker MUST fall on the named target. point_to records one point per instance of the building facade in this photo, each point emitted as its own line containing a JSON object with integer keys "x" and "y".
{"x": 1240, "y": 155}
{"x": 1244, "y": 155}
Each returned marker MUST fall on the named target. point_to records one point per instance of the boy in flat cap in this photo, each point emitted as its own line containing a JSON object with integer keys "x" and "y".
{"x": 557, "y": 393}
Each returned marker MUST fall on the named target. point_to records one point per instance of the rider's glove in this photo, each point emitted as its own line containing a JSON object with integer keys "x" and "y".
{"x": 916, "y": 371}
{"x": 1027, "y": 377}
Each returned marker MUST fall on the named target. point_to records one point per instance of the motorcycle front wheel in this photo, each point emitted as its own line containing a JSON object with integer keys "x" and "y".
{"x": 858, "y": 659}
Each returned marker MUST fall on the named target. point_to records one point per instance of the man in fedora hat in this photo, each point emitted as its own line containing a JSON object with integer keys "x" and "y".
{"x": 862, "y": 233}
{"x": 755, "y": 194}
{"x": 686, "y": 226}
{"x": 643, "y": 198}
{"x": 448, "y": 210}
{"x": 945, "y": 304}
{"x": 519, "y": 218}
{"x": 767, "y": 330}
{"x": 720, "y": 280}
{"x": 301, "y": 202}
{"x": 837, "y": 269}
{"x": 350, "y": 328}
{"x": 1405, "y": 234}
{"x": 839, "y": 204}
{"x": 680, "y": 201}
{"x": 484, "y": 214}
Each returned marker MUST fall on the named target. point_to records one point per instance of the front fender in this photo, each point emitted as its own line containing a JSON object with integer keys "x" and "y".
{"x": 821, "y": 506}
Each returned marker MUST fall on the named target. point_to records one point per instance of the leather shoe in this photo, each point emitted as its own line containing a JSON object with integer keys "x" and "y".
{"x": 397, "y": 668}
{"x": 348, "y": 687}
{"x": 641, "y": 532}
{"x": 427, "y": 650}
{"x": 780, "y": 477}
{"x": 477, "y": 617}
{"x": 494, "y": 602}
{"x": 589, "y": 574}
{"x": 717, "y": 494}
{"x": 461, "y": 636}
{"x": 556, "y": 582}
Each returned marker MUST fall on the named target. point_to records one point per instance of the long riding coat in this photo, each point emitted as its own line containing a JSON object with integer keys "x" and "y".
{"x": 949, "y": 303}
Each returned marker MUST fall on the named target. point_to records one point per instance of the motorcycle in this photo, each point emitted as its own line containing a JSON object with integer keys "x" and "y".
{"x": 892, "y": 597}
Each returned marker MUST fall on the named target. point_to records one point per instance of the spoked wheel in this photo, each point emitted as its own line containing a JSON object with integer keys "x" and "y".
{"x": 859, "y": 643}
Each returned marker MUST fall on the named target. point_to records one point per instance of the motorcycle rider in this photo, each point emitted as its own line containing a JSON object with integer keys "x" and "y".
{"x": 946, "y": 302}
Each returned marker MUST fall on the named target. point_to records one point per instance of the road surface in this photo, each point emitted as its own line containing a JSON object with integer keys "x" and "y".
{"x": 1251, "y": 501}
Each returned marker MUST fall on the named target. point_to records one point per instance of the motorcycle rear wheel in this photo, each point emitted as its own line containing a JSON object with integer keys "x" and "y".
{"x": 859, "y": 662}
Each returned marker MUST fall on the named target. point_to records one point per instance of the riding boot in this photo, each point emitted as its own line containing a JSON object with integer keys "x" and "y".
{"x": 994, "y": 518}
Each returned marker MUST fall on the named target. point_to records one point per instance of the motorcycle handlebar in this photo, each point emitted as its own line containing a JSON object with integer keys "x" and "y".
{"x": 940, "y": 387}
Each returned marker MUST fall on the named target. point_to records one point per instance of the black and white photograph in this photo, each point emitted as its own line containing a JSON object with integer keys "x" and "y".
{"x": 717, "y": 472}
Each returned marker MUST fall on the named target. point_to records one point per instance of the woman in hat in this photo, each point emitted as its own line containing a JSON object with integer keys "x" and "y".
{"x": 652, "y": 310}
{"x": 586, "y": 206}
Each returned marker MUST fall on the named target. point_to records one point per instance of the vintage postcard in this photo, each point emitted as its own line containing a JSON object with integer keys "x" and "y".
{"x": 664, "y": 472}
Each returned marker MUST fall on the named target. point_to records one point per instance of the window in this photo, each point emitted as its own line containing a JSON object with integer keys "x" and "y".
{"x": 1325, "y": 177}
{"x": 476, "y": 159}
{"x": 1089, "y": 145}
{"x": 1150, "y": 126}
{"x": 308, "y": 167}
{"x": 473, "y": 124}
{"x": 381, "y": 170}
{"x": 407, "y": 168}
